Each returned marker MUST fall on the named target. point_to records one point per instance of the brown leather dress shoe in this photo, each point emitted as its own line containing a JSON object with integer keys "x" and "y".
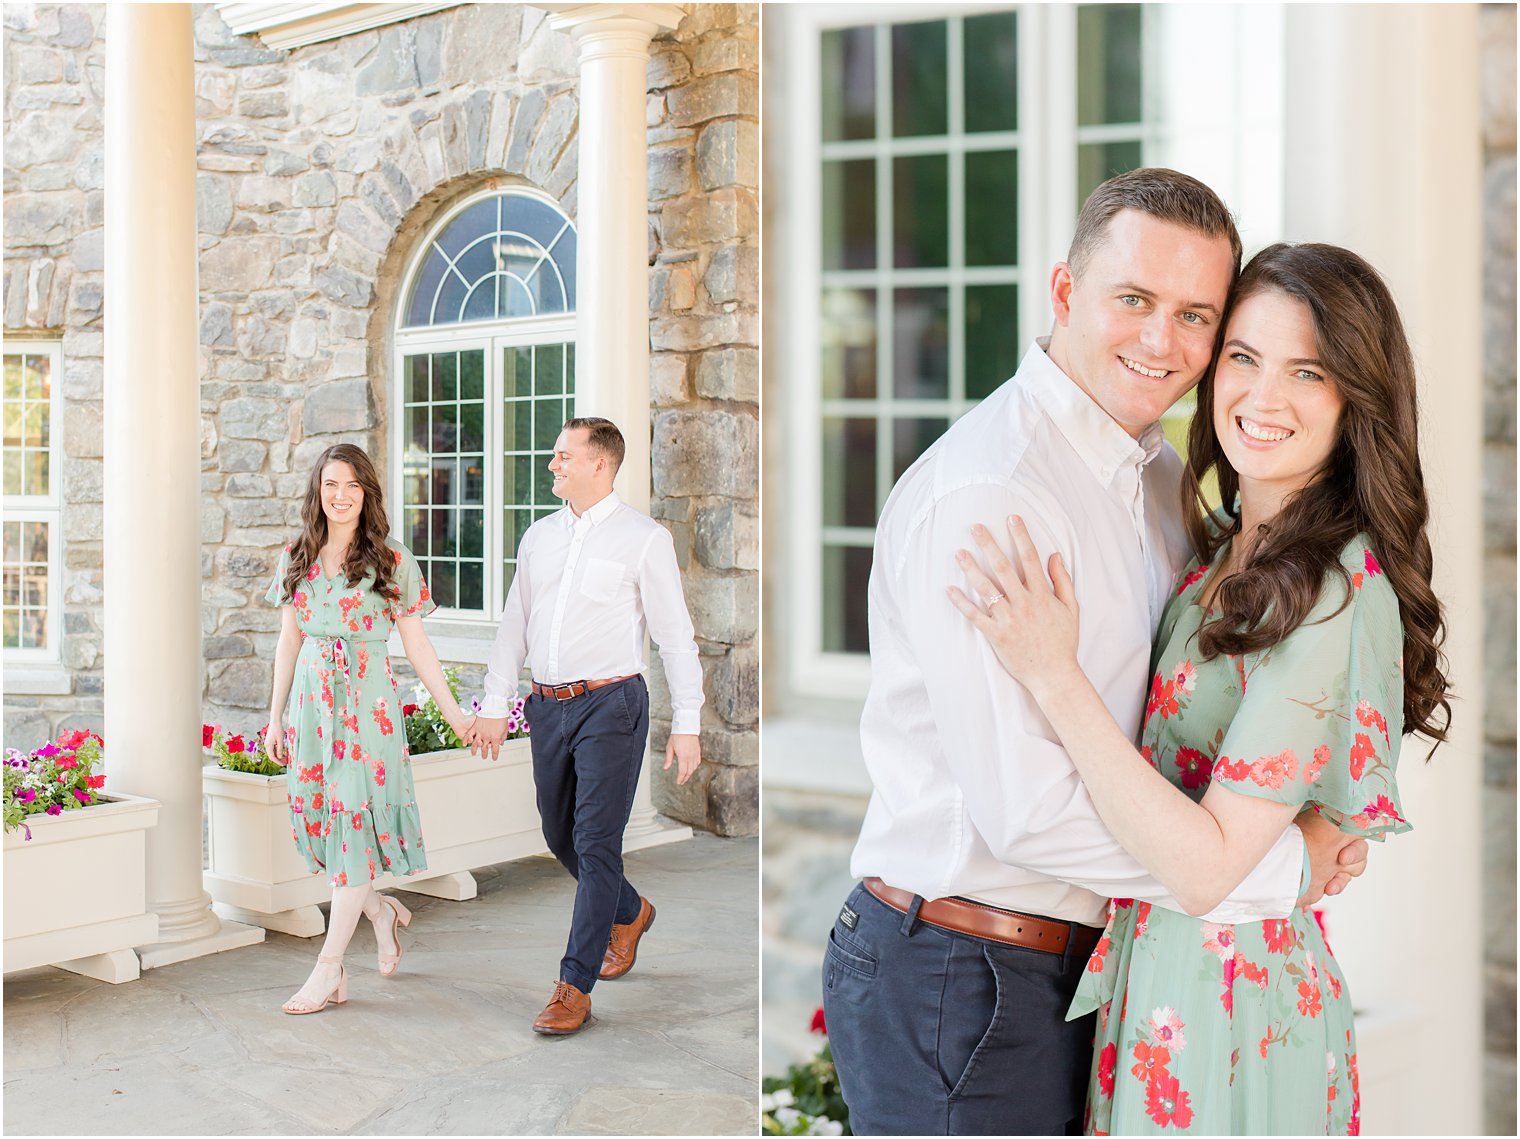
{"x": 624, "y": 945}
{"x": 567, "y": 1011}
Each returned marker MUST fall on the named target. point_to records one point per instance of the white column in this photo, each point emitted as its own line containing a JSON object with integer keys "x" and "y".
{"x": 152, "y": 465}
{"x": 1383, "y": 156}
{"x": 612, "y": 263}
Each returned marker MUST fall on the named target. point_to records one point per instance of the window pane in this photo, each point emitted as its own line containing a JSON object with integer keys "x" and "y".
{"x": 445, "y": 376}
{"x": 472, "y": 434}
{"x": 12, "y": 477}
{"x": 992, "y": 337}
{"x": 444, "y": 581}
{"x": 846, "y": 573}
{"x": 1108, "y": 63}
{"x": 517, "y": 373}
{"x": 992, "y": 223}
{"x": 38, "y": 376}
{"x": 992, "y": 55}
{"x": 921, "y": 343}
{"x": 849, "y": 471}
{"x": 920, "y": 209}
{"x": 445, "y": 429}
{"x": 25, "y": 585}
{"x": 471, "y": 533}
{"x": 472, "y": 589}
{"x": 1099, "y": 161}
{"x": 472, "y": 374}
{"x": 849, "y": 214}
{"x": 549, "y": 369}
{"x": 920, "y": 80}
{"x": 848, "y": 67}
{"x": 910, "y": 438}
{"x": 36, "y": 473}
{"x": 511, "y": 254}
{"x": 418, "y": 382}
{"x": 849, "y": 343}
{"x": 547, "y": 422}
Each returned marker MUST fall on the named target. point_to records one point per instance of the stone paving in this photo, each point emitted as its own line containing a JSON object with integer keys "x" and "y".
{"x": 443, "y": 1048}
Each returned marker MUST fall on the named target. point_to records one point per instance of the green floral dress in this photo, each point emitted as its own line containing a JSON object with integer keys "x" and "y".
{"x": 352, "y": 806}
{"x": 1246, "y": 1029}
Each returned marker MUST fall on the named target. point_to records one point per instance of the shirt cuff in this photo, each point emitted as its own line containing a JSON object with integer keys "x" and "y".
{"x": 686, "y": 723}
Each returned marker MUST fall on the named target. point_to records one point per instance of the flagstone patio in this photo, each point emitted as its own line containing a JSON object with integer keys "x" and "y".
{"x": 443, "y": 1048}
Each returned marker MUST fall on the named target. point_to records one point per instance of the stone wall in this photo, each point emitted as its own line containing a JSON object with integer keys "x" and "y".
{"x": 1497, "y": 27}
{"x": 704, "y": 248}
{"x": 319, "y": 169}
{"x": 54, "y": 183}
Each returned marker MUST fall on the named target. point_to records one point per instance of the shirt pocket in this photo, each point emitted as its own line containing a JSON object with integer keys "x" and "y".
{"x": 601, "y": 579}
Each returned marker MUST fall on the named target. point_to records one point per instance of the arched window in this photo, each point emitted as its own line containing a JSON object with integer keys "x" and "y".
{"x": 484, "y": 377}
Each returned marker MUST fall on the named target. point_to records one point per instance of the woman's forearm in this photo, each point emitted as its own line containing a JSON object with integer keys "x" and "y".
{"x": 1198, "y": 856}
{"x": 286, "y": 650}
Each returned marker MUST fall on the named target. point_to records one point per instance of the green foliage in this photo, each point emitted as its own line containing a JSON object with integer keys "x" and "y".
{"x": 57, "y": 777}
{"x": 237, "y": 753}
{"x": 806, "y": 1101}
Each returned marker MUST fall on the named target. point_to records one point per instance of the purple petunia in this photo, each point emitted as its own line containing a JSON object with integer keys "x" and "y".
{"x": 47, "y": 752}
{"x": 25, "y": 794}
{"x": 82, "y": 796}
{"x": 55, "y": 809}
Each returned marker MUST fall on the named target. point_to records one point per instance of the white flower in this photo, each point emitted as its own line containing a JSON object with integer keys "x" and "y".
{"x": 1166, "y": 1030}
{"x": 419, "y": 693}
{"x": 787, "y": 1117}
{"x": 767, "y": 1102}
{"x": 823, "y": 1125}
{"x": 783, "y": 1097}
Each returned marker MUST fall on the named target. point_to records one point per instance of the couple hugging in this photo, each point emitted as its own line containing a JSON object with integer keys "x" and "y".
{"x": 590, "y": 581}
{"x": 1086, "y": 685}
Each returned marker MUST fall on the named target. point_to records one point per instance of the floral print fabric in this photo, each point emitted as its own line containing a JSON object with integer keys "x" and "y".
{"x": 1246, "y": 1029}
{"x": 349, "y": 780}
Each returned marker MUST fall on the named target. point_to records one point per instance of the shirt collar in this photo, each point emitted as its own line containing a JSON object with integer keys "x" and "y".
{"x": 1102, "y": 444}
{"x": 593, "y": 515}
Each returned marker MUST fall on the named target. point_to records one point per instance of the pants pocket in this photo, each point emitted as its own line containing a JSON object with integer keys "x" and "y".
{"x": 846, "y": 956}
{"x": 962, "y": 1052}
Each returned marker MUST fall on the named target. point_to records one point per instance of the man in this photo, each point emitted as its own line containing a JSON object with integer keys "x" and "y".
{"x": 950, "y": 968}
{"x": 591, "y": 580}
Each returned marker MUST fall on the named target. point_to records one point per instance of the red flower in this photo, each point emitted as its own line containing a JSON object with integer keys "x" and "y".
{"x": 1095, "y": 962}
{"x": 96, "y": 781}
{"x": 1311, "y": 770}
{"x": 408, "y": 709}
{"x": 817, "y": 1024}
{"x": 235, "y": 744}
{"x": 1379, "y": 810}
{"x": 67, "y": 762}
{"x": 1108, "y": 1060}
{"x": 1278, "y": 934}
{"x": 1309, "y": 999}
{"x": 1166, "y": 1103}
{"x": 358, "y": 822}
{"x": 1151, "y": 1062}
{"x": 207, "y": 733}
{"x": 1196, "y": 575}
{"x": 1166, "y": 701}
{"x": 72, "y": 740}
{"x": 1195, "y": 767}
{"x": 1372, "y": 564}
{"x": 1361, "y": 751}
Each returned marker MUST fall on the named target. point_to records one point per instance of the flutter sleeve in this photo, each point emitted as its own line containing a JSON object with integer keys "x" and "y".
{"x": 1321, "y": 715}
{"x": 416, "y": 599}
{"x": 276, "y": 594}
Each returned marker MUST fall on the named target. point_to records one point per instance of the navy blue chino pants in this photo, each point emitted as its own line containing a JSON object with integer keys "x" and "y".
{"x": 587, "y": 752}
{"x": 941, "y": 1033}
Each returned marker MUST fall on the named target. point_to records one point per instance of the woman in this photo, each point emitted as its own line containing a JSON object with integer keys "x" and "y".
{"x": 1300, "y": 646}
{"x": 341, "y": 586}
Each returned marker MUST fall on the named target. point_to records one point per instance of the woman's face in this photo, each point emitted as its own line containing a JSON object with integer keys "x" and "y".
{"x": 1276, "y": 408}
{"x": 342, "y": 496}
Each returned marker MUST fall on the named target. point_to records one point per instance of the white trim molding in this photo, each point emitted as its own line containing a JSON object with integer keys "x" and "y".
{"x": 285, "y": 26}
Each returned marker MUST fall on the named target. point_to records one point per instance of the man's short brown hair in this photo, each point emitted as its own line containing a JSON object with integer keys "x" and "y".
{"x": 1166, "y": 194}
{"x": 603, "y": 437}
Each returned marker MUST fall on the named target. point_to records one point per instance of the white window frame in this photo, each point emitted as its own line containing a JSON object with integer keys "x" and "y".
{"x": 32, "y": 672}
{"x": 1047, "y": 207}
{"x": 464, "y": 635}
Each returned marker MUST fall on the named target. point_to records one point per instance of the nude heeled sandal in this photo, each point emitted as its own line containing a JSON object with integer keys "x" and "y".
{"x": 402, "y": 917}
{"x": 301, "y": 1006}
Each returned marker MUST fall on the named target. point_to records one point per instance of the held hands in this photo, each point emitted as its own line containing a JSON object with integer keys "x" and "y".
{"x": 1335, "y": 858}
{"x": 1032, "y": 628}
{"x": 463, "y": 726}
{"x": 685, "y": 751}
{"x": 489, "y": 735}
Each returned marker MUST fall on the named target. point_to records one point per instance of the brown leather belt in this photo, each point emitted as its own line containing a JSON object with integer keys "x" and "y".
{"x": 991, "y": 923}
{"x": 575, "y": 687}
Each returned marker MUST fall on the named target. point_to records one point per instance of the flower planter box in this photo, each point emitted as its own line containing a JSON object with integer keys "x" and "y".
{"x": 76, "y": 894}
{"x": 474, "y": 813}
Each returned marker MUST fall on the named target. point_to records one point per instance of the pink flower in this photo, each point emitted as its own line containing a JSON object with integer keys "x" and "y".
{"x": 54, "y": 809}
{"x": 82, "y": 796}
{"x": 1185, "y": 675}
{"x": 1372, "y": 564}
{"x": 1165, "y": 1028}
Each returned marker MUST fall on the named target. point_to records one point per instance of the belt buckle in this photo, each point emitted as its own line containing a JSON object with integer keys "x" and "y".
{"x": 569, "y": 690}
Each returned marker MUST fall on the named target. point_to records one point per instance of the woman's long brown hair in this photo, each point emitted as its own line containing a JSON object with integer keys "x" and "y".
{"x": 1372, "y": 481}
{"x": 367, "y": 553}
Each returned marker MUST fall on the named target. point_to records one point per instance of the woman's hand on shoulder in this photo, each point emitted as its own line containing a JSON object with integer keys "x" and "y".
{"x": 1030, "y": 621}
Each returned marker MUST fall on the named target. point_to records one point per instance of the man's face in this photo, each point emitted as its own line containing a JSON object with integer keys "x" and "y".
{"x": 1137, "y": 329}
{"x": 576, "y": 470}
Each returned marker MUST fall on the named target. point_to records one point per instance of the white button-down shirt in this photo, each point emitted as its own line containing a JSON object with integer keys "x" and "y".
{"x": 586, "y": 592}
{"x": 973, "y": 794}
